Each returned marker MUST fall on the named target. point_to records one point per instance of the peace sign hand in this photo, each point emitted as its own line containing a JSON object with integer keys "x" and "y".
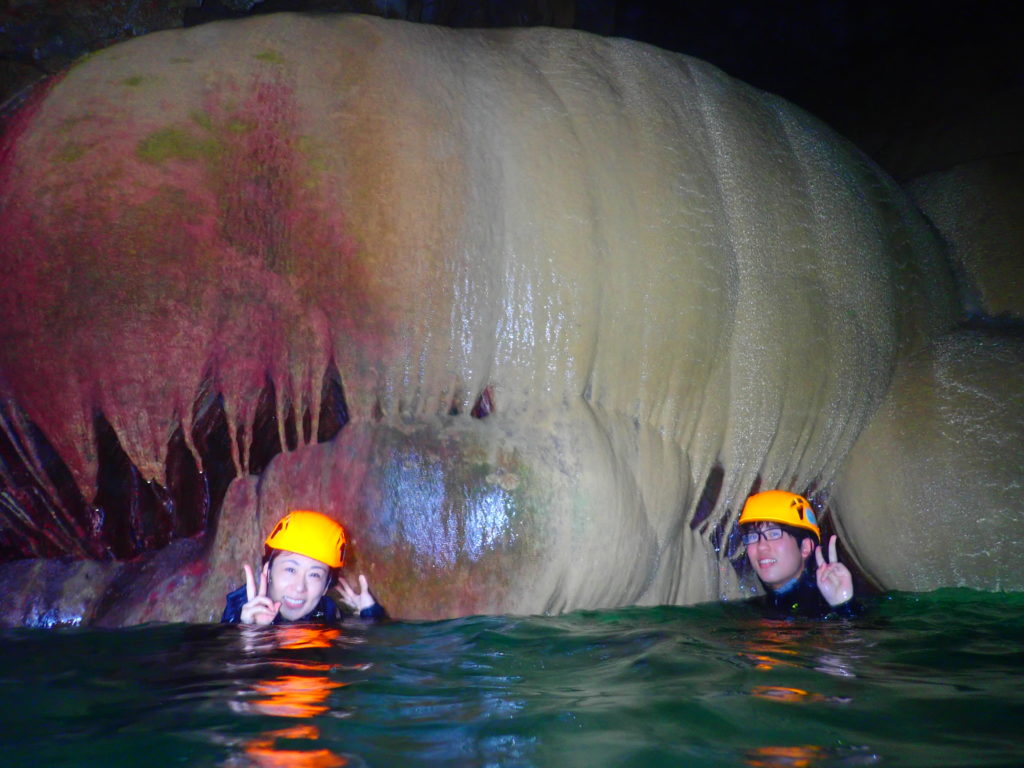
{"x": 834, "y": 580}
{"x": 258, "y": 609}
{"x": 353, "y": 599}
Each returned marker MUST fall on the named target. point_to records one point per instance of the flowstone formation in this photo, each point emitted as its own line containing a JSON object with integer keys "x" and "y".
{"x": 530, "y": 312}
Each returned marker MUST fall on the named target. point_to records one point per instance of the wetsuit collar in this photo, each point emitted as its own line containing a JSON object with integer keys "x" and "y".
{"x": 787, "y": 586}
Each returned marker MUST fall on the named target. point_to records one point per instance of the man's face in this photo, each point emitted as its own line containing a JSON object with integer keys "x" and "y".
{"x": 776, "y": 561}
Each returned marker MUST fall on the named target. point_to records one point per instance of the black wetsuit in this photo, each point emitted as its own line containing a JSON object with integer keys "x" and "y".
{"x": 325, "y": 612}
{"x": 803, "y": 599}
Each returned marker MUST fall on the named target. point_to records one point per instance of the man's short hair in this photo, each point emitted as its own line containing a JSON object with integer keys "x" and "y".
{"x": 800, "y": 534}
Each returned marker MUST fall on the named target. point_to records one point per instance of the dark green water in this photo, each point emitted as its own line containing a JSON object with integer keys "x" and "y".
{"x": 924, "y": 680}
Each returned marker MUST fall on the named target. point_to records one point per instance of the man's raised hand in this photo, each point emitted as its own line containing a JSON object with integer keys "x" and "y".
{"x": 834, "y": 579}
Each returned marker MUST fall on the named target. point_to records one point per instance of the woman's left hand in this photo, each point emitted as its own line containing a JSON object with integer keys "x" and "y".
{"x": 353, "y": 599}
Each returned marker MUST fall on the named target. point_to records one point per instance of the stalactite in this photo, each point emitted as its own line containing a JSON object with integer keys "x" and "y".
{"x": 46, "y": 515}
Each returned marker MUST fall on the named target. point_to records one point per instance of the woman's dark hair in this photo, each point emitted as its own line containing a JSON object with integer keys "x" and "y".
{"x": 269, "y": 554}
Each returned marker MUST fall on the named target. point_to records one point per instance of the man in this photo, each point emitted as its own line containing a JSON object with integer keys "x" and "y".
{"x": 780, "y": 532}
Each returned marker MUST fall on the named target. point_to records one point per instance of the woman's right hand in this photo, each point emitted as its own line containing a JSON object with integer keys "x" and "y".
{"x": 259, "y": 609}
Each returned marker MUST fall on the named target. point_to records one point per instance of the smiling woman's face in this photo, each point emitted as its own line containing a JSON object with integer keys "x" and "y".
{"x": 297, "y": 582}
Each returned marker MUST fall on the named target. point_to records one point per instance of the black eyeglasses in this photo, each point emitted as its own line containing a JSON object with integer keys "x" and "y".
{"x": 768, "y": 534}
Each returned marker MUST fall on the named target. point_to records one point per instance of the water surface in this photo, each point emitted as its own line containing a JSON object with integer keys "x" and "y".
{"x": 923, "y": 680}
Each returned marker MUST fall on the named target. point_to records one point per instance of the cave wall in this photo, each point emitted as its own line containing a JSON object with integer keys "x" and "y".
{"x": 567, "y": 299}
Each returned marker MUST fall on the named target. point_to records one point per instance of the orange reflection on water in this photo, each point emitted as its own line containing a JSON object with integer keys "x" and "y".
{"x": 769, "y": 644}
{"x": 785, "y": 757}
{"x": 298, "y": 696}
{"x": 264, "y": 752}
{"x": 780, "y": 693}
{"x": 764, "y": 662}
{"x": 794, "y": 695}
{"x": 296, "y": 637}
{"x": 294, "y": 695}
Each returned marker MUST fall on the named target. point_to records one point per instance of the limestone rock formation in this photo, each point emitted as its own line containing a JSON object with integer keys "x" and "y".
{"x": 530, "y": 311}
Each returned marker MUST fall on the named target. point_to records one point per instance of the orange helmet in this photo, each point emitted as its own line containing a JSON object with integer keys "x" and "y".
{"x": 311, "y": 534}
{"x": 781, "y": 507}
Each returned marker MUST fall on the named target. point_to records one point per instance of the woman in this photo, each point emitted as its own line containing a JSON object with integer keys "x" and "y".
{"x": 302, "y": 559}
